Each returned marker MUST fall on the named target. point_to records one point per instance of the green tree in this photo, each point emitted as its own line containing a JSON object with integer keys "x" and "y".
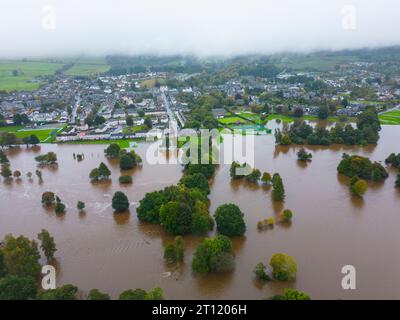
{"x": 17, "y": 288}
{"x": 137, "y": 294}
{"x": 47, "y": 244}
{"x": 254, "y": 176}
{"x": 213, "y": 255}
{"x": 148, "y": 122}
{"x": 284, "y": 267}
{"x": 286, "y": 215}
{"x": 5, "y": 171}
{"x": 196, "y": 180}
{"x": 155, "y": 294}
{"x": 125, "y": 179}
{"x": 104, "y": 172}
{"x": 59, "y": 208}
{"x": 112, "y": 151}
{"x": 120, "y": 202}
{"x": 397, "y": 183}
{"x": 176, "y": 218}
{"x": 149, "y": 206}
{"x": 170, "y": 254}
{"x": 358, "y": 187}
{"x": 361, "y": 167}
{"x": 175, "y": 250}
{"x": 21, "y": 256}
{"x": 129, "y": 120}
{"x": 266, "y": 178}
{"x": 126, "y": 162}
{"x": 229, "y": 219}
{"x": 278, "y": 190}
{"x": 291, "y": 294}
{"x": 80, "y": 205}
{"x": 65, "y": 292}
{"x": 3, "y": 157}
{"x": 323, "y": 112}
{"x": 95, "y": 294}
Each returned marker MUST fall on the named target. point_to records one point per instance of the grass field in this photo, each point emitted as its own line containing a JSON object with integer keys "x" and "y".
{"x": 149, "y": 83}
{"x": 121, "y": 143}
{"x": 44, "y": 135}
{"x": 391, "y": 117}
{"x": 232, "y": 120}
{"x": 88, "y": 67}
{"x": 134, "y": 129}
{"x": 19, "y": 75}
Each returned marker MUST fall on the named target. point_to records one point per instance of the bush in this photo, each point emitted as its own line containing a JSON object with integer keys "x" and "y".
{"x": 95, "y": 294}
{"x": 266, "y": 178}
{"x": 213, "y": 255}
{"x": 196, "y": 180}
{"x": 66, "y": 292}
{"x": 120, "y": 202}
{"x": 176, "y": 218}
{"x": 59, "y": 208}
{"x": 229, "y": 219}
{"x": 140, "y": 294}
{"x": 125, "y": 179}
{"x": 260, "y": 272}
{"x": 291, "y": 294}
{"x": 48, "y": 198}
{"x": 358, "y": 187}
{"x": 112, "y": 151}
{"x": 361, "y": 167}
{"x": 286, "y": 215}
{"x": 284, "y": 267}
{"x": 80, "y": 205}
{"x": 175, "y": 250}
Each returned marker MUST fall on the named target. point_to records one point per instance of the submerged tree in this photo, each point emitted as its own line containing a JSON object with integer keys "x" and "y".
{"x": 278, "y": 190}
{"x": 47, "y": 244}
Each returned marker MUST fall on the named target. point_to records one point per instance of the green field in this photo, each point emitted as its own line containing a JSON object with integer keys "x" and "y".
{"x": 19, "y": 75}
{"x": 232, "y": 120}
{"x": 121, "y": 143}
{"x": 391, "y": 117}
{"x": 88, "y": 67}
{"x": 44, "y": 135}
{"x": 134, "y": 129}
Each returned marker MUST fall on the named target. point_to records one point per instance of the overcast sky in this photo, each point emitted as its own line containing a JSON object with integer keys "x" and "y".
{"x": 31, "y": 28}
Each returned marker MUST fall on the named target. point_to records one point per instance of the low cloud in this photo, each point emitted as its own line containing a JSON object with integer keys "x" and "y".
{"x": 31, "y": 28}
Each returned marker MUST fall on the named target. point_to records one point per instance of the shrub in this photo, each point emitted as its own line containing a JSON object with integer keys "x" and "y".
{"x": 286, "y": 215}
{"x": 48, "y": 198}
{"x": 95, "y": 294}
{"x": 213, "y": 255}
{"x": 284, "y": 267}
{"x": 260, "y": 272}
{"x": 125, "y": 179}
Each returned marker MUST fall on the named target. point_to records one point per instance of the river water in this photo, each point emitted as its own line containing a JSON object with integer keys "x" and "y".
{"x": 113, "y": 253}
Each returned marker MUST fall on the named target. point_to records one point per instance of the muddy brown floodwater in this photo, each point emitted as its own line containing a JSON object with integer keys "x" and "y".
{"x": 113, "y": 253}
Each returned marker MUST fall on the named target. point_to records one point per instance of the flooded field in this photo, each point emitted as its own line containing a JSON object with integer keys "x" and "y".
{"x": 113, "y": 253}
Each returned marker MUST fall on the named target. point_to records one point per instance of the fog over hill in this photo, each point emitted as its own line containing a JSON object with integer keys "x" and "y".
{"x": 30, "y": 28}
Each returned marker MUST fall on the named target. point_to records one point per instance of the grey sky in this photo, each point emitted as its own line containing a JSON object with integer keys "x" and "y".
{"x": 204, "y": 27}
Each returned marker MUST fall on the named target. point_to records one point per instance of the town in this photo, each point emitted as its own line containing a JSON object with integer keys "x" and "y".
{"x": 126, "y": 105}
